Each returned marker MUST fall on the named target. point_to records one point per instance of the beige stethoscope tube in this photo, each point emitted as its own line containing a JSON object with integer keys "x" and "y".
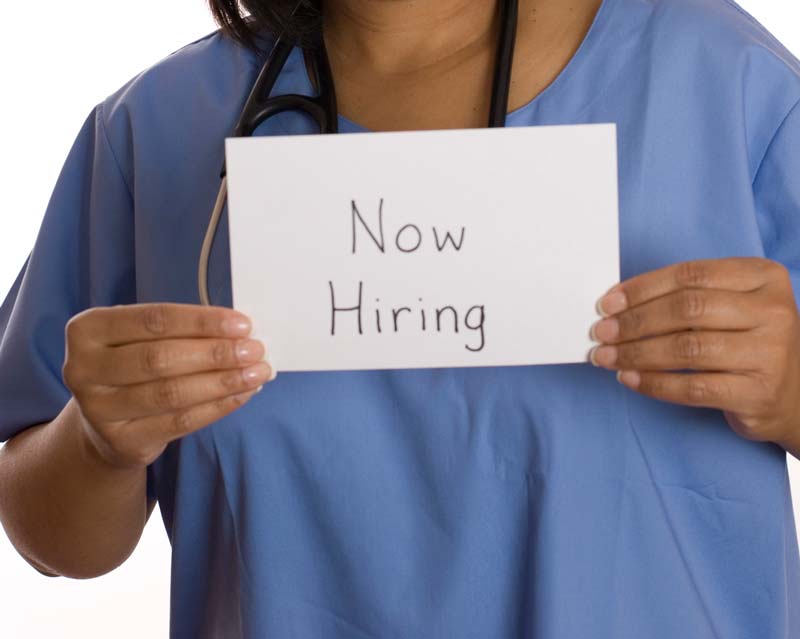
{"x": 205, "y": 252}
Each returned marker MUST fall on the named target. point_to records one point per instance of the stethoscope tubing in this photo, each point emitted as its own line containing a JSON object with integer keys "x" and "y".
{"x": 208, "y": 240}
{"x": 260, "y": 106}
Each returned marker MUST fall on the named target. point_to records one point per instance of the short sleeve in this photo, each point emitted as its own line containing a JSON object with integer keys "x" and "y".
{"x": 83, "y": 257}
{"x": 777, "y": 193}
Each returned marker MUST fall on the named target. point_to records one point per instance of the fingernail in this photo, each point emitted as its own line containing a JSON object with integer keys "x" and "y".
{"x": 237, "y": 326}
{"x": 629, "y": 378}
{"x": 274, "y": 374}
{"x": 603, "y": 355}
{"x": 249, "y": 350}
{"x": 604, "y": 330}
{"x": 611, "y": 303}
{"x": 260, "y": 388}
{"x": 259, "y": 371}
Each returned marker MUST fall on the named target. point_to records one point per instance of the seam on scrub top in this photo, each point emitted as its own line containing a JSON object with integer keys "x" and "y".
{"x": 762, "y": 29}
{"x": 787, "y": 496}
{"x": 208, "y": 36}
{"x": 670, "y": 527}
{"x": 772, "y": 140}
{"x": 101, "y": 120}
{"x": 594, "y": 37}
{"x": 242, "y": 568}
{"x": 226, "y": 499}
{"x": 528, "y": 622}
{"x": 617, "y": 76}
{"x": 620, "y": 603}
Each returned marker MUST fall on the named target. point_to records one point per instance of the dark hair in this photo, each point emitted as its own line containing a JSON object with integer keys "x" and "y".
{"x": 299, "y": 20}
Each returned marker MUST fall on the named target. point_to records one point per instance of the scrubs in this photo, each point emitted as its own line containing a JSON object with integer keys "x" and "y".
{"x": 487, "y": 503}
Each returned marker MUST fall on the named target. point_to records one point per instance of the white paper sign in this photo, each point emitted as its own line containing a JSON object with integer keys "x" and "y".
{"x": 476, "y": 247}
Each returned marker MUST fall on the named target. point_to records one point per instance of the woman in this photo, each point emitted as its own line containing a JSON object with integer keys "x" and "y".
{"x": 533, "y": 501}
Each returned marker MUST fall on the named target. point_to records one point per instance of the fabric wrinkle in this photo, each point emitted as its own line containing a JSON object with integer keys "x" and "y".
{"x": 670, "y": 525}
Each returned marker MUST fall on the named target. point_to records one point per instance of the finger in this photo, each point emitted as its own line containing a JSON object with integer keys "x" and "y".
{"x": 174, "y": 393}
{"x": 724, "y": 391}
{"x": 126, "y": 324}
{"x": 171, "y": 426}
{"x": 732, "y": 274}
{"x": 148, "y": 361}
{"x": 732, "y": 351}
{"x": 680, "y": 310}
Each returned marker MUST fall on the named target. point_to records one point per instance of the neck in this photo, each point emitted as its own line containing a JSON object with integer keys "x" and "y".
{"x": 403, "y": 37}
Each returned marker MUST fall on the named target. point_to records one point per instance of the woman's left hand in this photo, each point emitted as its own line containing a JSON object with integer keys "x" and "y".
{"x": 731, "y": 323}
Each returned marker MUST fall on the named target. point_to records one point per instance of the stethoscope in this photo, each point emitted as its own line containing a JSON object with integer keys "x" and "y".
{"x": 260, "y": 106}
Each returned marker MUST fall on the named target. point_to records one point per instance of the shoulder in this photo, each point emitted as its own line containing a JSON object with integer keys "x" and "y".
{"x": 721, "y": 22}
{"x": 717, "y": 65}
{"x": 212, "y": 61}
{"x": 182, "y": 103}
{"x": 724, "y": 35}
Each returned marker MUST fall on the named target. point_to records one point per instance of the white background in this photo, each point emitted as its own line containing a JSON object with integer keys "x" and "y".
{"x": 57, "y": 60}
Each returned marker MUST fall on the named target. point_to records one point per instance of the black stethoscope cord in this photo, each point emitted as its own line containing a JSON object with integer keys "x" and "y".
{"x": 261, "y": 105}
{"x": 504, "y": 62}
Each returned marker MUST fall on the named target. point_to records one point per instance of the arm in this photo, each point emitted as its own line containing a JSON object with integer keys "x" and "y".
{"x": 73, "y": 491}
{"x": 65, "y": 509}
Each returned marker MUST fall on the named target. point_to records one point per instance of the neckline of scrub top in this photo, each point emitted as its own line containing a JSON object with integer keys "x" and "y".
{"x": 592, "y": 37}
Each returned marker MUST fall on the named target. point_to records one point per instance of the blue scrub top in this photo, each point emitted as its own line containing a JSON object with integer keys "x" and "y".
{"x": 494, "y": 503}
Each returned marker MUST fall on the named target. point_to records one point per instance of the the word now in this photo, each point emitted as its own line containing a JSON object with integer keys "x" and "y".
{"x": 407, "y": 239}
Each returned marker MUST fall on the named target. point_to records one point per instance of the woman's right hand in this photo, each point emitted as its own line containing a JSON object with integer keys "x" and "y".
{"x": 144, "y": 375}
